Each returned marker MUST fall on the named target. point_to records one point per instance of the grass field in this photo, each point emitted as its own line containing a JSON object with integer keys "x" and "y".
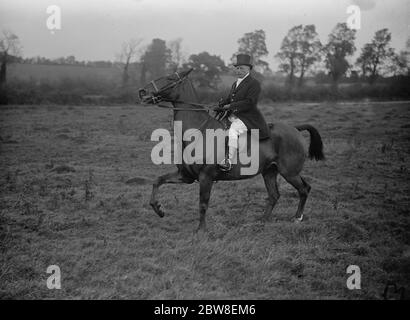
{"x": 75, "y": 191}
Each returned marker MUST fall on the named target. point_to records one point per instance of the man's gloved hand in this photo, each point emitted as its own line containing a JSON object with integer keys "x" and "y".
{"x": 218, "y": 109}
{"x": 221, "y": 109}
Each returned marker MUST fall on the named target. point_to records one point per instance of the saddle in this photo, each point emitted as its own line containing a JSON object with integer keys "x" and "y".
{"x": 223, "y": 118}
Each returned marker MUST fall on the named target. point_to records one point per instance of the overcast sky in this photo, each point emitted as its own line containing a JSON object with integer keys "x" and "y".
{"x": 95, "y": 29}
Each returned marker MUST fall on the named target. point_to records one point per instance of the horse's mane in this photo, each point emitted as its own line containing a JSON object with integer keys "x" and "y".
{"x": 195, "y": 94}
{"x": 189, "y": 89}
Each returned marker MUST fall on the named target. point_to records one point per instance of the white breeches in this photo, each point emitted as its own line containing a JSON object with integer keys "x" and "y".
{"x": 237, "y": 127}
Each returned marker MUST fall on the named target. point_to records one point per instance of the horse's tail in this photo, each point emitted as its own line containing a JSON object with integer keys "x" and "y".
{"x": 316, "y": 144}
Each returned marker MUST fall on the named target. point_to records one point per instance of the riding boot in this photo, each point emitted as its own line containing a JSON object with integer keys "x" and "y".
{"x": 226, "y": 164}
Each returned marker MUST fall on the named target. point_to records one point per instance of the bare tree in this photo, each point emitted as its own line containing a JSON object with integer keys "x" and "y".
{"x": 129, "y": 51}
{"x": 10, "y": 48}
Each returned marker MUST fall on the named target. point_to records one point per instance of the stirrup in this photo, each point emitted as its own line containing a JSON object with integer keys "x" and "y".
{"x": 225, "y": 165}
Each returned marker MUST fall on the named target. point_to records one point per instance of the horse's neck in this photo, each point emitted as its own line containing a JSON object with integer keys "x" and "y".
{"x": 190, "y": 119}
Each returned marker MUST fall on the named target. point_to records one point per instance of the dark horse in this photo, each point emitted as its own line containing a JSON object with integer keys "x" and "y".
{"x": 283, "y": 153}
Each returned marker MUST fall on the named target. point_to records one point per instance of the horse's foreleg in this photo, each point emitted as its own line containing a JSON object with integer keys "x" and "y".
{"x": 303, "y": 189}
{"x": 270, "y": 178}
{"x": 174, "y": 177}
{"x": 205, "y": 187}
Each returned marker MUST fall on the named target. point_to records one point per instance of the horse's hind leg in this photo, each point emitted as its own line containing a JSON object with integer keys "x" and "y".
{"x": 270, "y": 178}
{"x": 303, "y": 189}
{"x": 174, "y": 177}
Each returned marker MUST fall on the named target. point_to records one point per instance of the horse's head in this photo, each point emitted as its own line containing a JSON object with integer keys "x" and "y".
{"x": 163, "y": 89}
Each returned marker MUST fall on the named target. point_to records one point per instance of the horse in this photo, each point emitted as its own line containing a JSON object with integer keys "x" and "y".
{"x": 282, "y": 153}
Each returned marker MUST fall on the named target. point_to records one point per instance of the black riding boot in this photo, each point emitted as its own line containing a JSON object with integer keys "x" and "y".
{"x": 226, "y": 164}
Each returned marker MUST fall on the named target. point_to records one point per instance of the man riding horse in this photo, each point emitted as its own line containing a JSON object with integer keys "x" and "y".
{"x": 241, "y": 105}
{"x": 282, "y": 154}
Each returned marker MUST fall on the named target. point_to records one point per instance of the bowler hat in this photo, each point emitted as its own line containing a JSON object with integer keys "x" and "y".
{"x": 243, "y": 60}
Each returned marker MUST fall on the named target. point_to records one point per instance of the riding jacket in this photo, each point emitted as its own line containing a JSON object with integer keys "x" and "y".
{"x": 243, "y": 104}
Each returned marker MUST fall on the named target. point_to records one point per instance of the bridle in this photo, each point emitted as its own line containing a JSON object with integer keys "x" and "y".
{"x": 157, "y": 98}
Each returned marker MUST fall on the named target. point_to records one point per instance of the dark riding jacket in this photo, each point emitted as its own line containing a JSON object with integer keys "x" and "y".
{"x": 243, "y": 104}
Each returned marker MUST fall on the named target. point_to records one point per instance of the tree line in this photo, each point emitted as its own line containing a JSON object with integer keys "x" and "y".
{"x": 302, "y": 50}
{"x": 301, "y": 53}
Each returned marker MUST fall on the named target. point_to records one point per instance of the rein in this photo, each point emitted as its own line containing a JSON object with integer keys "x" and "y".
{"x": 202, "y": 125}
{"x": 157, "y": 100}
{"x": 204, "y": 107}
{"x": 207, "y": 109}
{"x": 201, "y": 107}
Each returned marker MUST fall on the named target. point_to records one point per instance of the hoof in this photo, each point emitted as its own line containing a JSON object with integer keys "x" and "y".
{"x": 157, "y": 209}
{"x": 298, "y": 219}
{"x": 200, "y": 234}
{"x": 201, "y": 229}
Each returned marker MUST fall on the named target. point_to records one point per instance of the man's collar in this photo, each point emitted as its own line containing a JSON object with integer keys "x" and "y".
{"x": 243, "y": 77}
